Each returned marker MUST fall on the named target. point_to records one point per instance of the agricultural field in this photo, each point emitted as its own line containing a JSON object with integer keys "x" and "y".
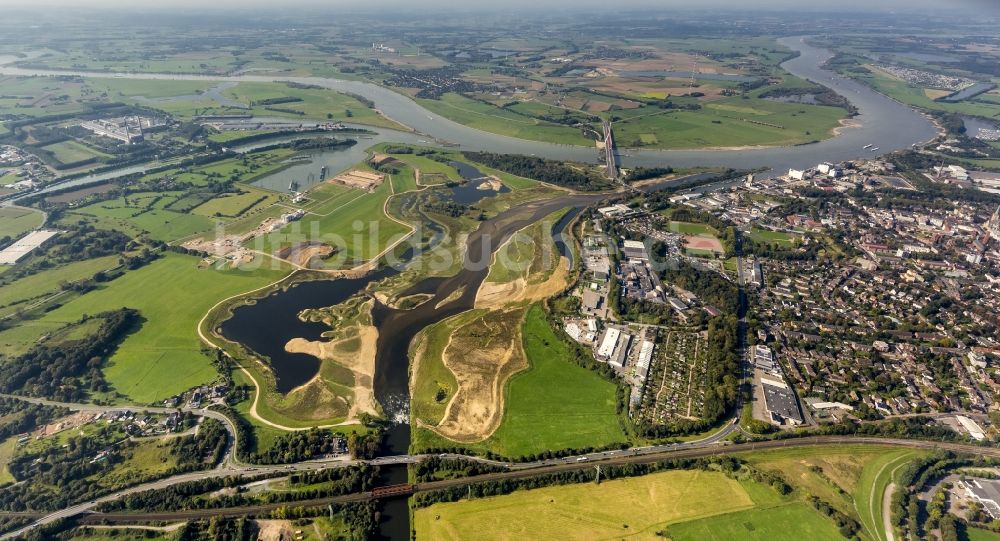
{"x": 234, "y": 205}
{"x": 16, "y": 221}
{"x": 790, "y": 522}
{"x": 673, "y": 389}
{"x": 163, "y": 357}
{"x": 145, "y": 213}
{"x": 39, "y": 96}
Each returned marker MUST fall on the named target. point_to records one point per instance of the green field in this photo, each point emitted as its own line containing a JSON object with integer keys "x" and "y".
{"x": 350, "y": 219}
{"x": 631, "y": 508}
{"x": 731, "y": 122}
{"x": 44, "y": 283}
{"x": 871, "y": 487}
{"x": 16, "y": 221}
{"x": 686, "y": 505}
{"x": 493, "y": 119}
{"x": 163, "y": 357}
{"x": 723, "y": 123}
{"x": 791, "y": 522}
{"x": 688, "y": 228}
{"x": 579, "y": 412}
{"x": 145, "y": 213}
{"x": 235, "y": 205}
{"x": 913, "y": 95}
{"x": 779, "y": 238}
{"x": 72, "y": 151}
{"x": 979, "y": 534}
{"x": 7, "y": 449}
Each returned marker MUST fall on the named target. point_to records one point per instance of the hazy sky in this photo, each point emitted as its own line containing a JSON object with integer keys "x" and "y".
{"x": 991, "y": 7}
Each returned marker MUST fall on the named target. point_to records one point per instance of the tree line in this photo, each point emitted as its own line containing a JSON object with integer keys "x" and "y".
{"x": 70, "y": 370}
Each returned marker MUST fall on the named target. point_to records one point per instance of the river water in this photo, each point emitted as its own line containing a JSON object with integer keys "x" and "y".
{"x": 882, "y": 121}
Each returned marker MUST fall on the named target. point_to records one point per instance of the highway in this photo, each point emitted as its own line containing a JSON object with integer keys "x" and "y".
{"x": 610, "y": 158}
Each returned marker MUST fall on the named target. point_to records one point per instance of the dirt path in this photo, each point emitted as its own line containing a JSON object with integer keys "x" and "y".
{"x": 887, "y": 511}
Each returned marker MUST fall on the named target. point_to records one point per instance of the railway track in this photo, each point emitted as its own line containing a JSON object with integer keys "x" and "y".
{"x": 626, "y": 457}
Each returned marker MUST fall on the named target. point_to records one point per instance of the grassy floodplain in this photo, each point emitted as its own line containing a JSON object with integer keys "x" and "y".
{"x": 163, "y": 357}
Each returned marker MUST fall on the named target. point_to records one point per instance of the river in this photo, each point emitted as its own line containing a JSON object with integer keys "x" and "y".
{"x": 882, "y": 121}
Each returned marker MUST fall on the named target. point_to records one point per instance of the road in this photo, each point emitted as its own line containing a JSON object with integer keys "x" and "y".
{"x": 612, "y": 458}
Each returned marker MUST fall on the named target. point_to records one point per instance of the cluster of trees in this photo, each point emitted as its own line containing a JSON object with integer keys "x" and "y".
{"x": 711, "y": 287}
{"x": 68, "y": 371}
{"x": 208, "y": 447}
{"x": 847, "y": 525}
{"x": 200, "y": 494}
{"x": 722, "y": 373}
{"x": 299, "y": 446}
{"x": 79, "y": 242}
{"x": 18, "y": 416}
{"x": 821, "y": 95}
{"x": 776, "y": 251}
{"x": 435, "y": 468}
{"x": 643, "y": 173}
{"x": 367, "y": 445}
{"x": 227, "y": 529}
{"x": 541, "y": 169}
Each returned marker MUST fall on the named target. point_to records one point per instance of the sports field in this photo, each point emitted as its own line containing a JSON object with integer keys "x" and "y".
{"x": 16, "y": 221}
{"x": 632, "y": 508}
{"x": 163, "y": 357}
{"x": 778, "y": 238}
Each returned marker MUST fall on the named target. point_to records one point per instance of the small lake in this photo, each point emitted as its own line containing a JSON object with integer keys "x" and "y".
{"x": 472, "y": 190}
{"x": 974, "y": 124}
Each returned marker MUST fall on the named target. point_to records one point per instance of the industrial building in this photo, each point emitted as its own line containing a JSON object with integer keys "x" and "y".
{"x": 986, "y": 492}
{"x": 781, "y": 402}
{"x": 127, "y": 129}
